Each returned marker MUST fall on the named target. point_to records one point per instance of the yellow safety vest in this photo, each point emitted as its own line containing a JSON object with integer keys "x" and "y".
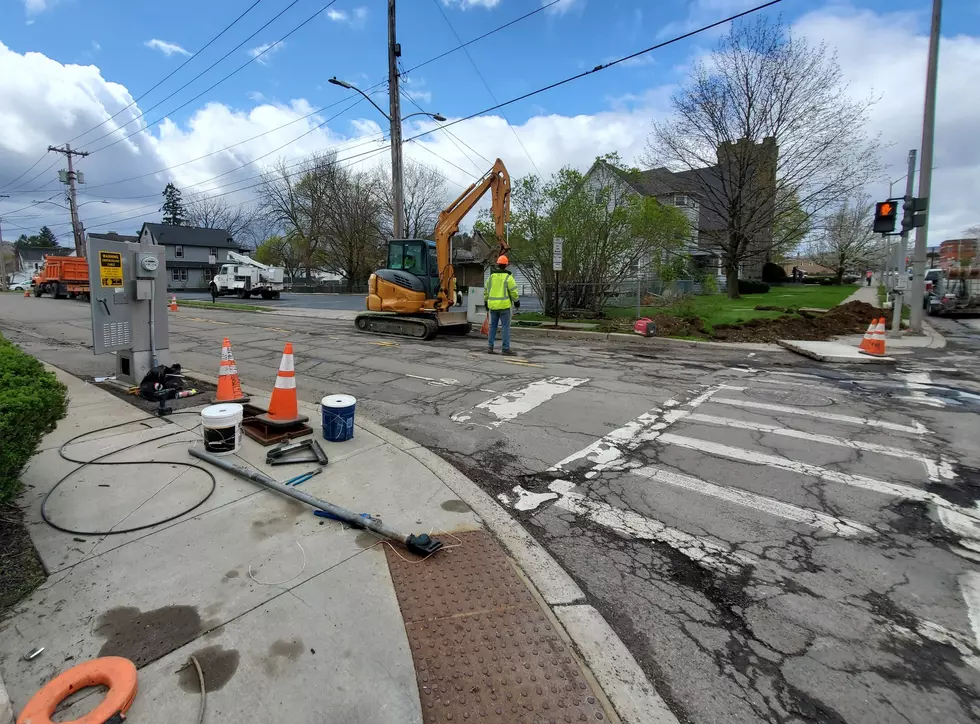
{"x": 500, "y": 290}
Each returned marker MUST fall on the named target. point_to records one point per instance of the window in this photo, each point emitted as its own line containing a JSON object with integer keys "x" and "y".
{"x": 407, "y": 256}
{"x": 213, "y": 251}
{"x": 681, "y": 200}
{"x": 178, "y": 251}
{"x": 178, "y": 275}
{"x": 207, "y": 275}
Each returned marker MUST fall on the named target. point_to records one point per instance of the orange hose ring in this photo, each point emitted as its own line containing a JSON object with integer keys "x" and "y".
{"x": 117, "y": 673}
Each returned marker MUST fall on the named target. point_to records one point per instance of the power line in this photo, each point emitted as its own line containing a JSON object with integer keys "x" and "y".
{"x": 452, "y": 137}
{"x": 206, "y": 70}
{"x": 9, "y": 183}
{"x": 487, "y": 86}
{"x": 331, "y": 105}
{"x": 603, "y": 66}
{"x": 171, "y": 74}
{"x": 34, "y": 178}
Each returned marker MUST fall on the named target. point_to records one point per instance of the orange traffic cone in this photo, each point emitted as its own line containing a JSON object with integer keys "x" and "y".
{"x": 485, "y": 329}
{"x": 283, "y": 406}
{"x": 27, "y": 292}
{"x": 173, "y": 303}
{"x": 229, "y": 385}
{"x": 868, "y": 336}
{"x": 877, "y": 347}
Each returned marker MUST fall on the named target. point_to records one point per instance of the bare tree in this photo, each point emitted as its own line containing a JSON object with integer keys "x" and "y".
{"x": 972, "y": 232}
{"x": 211, "y": 212}
{"x": 425, "y": 195}
{"x": 764, "y": 129}
{"x": 846, "y": 239}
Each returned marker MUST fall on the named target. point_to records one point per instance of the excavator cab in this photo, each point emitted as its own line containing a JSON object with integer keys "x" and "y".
{"x": 418, "y": 258}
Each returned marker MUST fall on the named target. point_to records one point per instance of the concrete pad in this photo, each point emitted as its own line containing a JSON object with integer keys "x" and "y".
{"x": 201, "y": 566}
{"x": 90, "y": 418}
{"x": 301, "y": 657}
{"x": 80, "y": 393}
{"x": 837, "y": 352}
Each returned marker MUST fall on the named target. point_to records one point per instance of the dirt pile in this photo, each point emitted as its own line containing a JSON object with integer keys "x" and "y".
{"x": 850, "y": 318}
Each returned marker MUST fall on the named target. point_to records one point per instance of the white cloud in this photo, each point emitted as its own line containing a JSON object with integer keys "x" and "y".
{"x": 32, "y": 7}
{"x": 165, "y": 47}
{"x": 263, "y": 53}
{"x": 96, "y": 46}
{"x": 47, "y": 102}
{"x": 355, "y": 18}
{"x": 466, "y": 4}
{"x": 563, "y": 6}
{"x": 414, "y": 87}
{"x": 256, "y": 96}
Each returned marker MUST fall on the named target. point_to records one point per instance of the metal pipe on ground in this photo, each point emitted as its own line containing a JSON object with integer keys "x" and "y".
{"x": 421, "y": 544}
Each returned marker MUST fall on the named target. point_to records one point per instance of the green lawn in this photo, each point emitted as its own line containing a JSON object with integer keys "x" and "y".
{"x": 718, "y": 309}
{"x": 198, "y": 304}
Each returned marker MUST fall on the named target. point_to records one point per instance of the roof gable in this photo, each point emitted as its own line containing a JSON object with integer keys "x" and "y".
{"x": 190, "y": 236}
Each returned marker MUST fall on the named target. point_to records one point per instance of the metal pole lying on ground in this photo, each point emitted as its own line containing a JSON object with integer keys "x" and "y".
{"x": 421, "y": 544}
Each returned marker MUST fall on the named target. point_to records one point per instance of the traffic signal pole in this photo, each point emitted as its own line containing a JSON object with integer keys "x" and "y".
{"x": 899, "y": 299}
{"x": 918, "y": 290}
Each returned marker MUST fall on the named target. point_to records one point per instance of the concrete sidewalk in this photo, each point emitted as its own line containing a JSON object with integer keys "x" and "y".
{"x": 292, "y": 617}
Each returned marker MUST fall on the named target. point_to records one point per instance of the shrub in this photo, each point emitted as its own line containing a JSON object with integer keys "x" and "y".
{"x": 828, "y": 282}
{"x": 773, "y": 273}
{"x": 31, "y": 403}
{"x": 751, "y": 286}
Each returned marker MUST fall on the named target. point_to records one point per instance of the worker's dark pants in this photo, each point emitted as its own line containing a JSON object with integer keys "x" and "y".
{"x": 869, "y": 281}
{"x": 503, "y": 317}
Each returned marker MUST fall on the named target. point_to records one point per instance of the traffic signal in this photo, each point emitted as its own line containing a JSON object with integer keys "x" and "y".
{"x": 914, "y": 212}
{"x": 885, "y": 213}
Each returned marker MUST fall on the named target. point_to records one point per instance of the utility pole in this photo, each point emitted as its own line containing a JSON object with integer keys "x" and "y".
{"x": 918, "y": 289}
{"x": 70, "y": 178}
{"x": 395, "y": 115}
{"x": 3, "y": 262}
{"x": 899, "y": 296}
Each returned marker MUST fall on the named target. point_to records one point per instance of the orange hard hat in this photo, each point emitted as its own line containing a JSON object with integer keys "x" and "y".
{"x": 503, "y": 260}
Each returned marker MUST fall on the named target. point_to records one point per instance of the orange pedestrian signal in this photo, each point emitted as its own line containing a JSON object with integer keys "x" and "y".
{"x": 885, "y": 215}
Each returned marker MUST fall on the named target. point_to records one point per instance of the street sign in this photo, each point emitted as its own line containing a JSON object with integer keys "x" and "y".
{"x": 902, "y": 281}
{"x": 557, "y": 252}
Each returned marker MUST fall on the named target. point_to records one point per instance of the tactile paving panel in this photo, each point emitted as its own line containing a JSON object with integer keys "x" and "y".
{"x": 483, "y": 649}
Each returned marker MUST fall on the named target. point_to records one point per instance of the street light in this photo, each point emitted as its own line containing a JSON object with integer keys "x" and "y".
{"x": 397, "y": 181}
{"x": 65, "y": 207}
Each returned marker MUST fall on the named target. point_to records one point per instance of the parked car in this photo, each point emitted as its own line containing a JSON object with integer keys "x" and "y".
{"x": 19, "y": 282}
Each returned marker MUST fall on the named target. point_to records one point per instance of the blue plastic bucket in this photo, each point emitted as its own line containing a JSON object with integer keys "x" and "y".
{"x": 338, "y": 417}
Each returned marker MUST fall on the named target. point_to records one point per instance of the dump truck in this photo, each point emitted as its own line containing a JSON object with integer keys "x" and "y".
{"x": 247, "y": 277}
{"x": 61, "y": 277}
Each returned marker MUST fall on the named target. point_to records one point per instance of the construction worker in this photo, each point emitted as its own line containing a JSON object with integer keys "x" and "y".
{"x": 499, "y": 295}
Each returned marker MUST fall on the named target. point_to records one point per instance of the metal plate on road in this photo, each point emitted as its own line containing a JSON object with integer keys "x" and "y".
{"x": 799, "y": 398}
{"x": 110, "y": 269}
{"x": 484, "y": 650}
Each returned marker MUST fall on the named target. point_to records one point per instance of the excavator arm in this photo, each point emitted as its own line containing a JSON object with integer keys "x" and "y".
{"x": 497, "y": 181}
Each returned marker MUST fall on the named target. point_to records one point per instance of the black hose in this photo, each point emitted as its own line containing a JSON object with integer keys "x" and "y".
{"x": 99, "y": 461}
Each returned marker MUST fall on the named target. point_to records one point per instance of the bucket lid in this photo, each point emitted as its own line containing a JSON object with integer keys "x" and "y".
{"x": 225, "y": 409}
{"x": 338, "y": 401}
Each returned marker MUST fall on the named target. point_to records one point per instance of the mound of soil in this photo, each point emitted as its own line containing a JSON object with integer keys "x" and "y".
{"x": 850, "y": 318}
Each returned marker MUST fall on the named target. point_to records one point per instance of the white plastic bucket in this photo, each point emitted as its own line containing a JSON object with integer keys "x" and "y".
{"x": 338, "y": 417}
{"x": 221, "y": 428}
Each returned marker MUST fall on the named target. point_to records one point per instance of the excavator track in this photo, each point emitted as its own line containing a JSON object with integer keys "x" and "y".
{"x": 396, "y": 325}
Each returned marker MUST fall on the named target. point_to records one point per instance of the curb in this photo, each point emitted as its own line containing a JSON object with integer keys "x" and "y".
{"x": 619, "y": 675}
{"x": 6, "y": 709}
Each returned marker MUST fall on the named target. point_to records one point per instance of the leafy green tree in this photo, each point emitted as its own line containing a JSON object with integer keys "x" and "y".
{"x": 173, "y": 209}
{"x": 610, "y": 233}
{"x": 44, "y": 239}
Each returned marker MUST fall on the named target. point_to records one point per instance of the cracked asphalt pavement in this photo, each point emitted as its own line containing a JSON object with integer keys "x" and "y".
{"x": 775, "y": 541}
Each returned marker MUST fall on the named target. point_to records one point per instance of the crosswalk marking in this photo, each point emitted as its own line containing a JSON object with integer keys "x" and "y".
{"x": 917, "y": 429}
{"x": 778, "y": 461}
{"x": 510, "y": 405}
{"x": 936, "y": 470}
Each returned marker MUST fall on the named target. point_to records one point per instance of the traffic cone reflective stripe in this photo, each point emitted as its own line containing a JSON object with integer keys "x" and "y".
{"x": 229, "y": 385}
{"x": 877, "y": 347}
{"x": 173, "y": 303}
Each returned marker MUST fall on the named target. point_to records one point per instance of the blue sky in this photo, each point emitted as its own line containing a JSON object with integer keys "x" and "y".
{"x": 71, "y": 63}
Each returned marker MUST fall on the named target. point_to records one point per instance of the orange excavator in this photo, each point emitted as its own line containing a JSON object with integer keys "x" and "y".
{"x": 414, "y": 294}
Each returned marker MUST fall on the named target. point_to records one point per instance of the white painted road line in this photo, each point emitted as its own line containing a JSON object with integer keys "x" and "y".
{"x": 970, "y": 589}
{"x": 635, "y": 526}
{"x": 752, "y": 457}
{"x": 510, "y": 405}
{"x": 771, "y": 506}
{"x": 936, "y": 470}
{"x": 917, "y": 429}
{"x": 610, "y": 447}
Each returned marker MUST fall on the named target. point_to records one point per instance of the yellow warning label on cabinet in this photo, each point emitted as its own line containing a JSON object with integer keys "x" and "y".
{"x": 110, "y": 268}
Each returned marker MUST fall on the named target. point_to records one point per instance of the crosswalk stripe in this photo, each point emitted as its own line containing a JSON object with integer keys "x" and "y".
{"x": 778, "y": 461}
{"x": 917, "y": 429}
{"x": 510, "y": 405}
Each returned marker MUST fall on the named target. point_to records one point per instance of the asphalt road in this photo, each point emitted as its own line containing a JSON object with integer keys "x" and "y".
{"x": 316, "y": 301}
{"x": 774, "y": 541}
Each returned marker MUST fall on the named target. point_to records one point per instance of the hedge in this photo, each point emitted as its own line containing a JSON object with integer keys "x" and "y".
{"x": 751, "y": 286}
{"x": 32, "y": 400}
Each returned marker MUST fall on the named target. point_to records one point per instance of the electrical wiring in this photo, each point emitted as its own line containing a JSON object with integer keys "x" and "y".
{"x": 171, "y": 73}
{"x": 453, "y": 137}
{"x": 487, "y": 86}
{"x": 34, "y": 178}
{"x": 101, "y": 460}
{"x": 215, "y": 85}
{"x": 29, "y": 169}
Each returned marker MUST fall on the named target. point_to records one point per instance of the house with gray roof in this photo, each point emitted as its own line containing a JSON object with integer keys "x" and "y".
{"x": 193, "y": 254}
